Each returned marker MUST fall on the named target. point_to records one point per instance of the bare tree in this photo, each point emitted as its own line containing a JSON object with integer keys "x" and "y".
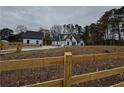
{"x": 21, "y": 28}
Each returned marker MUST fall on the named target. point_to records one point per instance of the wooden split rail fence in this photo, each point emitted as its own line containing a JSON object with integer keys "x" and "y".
{"x": 67, "y": 60}
{"x": 6, "y": 46}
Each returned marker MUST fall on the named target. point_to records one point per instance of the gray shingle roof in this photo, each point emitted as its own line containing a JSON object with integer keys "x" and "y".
{"x": 55, "y": 38}
{"x": 77, "y": 38}
{"x": 32, "y": 35}
{"x": 60, "y": 37}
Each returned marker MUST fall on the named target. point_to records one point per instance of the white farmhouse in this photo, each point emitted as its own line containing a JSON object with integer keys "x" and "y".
{"x": 67, "y": 40}
{"x": 32, "y": 38}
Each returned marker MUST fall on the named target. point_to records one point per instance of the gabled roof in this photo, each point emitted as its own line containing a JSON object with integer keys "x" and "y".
{"x": 32, "y": 35}
{"x": 75, "y": 36}
{"x": 55, "y": 38}
{"x": 68, "y": 37}
{"x": 61, "y": 37}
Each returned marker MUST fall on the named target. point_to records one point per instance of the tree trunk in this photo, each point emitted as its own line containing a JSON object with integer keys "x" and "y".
{"x": 107, "y": 33}
{"x": 119, "y": 34}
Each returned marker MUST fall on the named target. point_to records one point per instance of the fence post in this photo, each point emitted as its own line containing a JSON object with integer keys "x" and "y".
{"x": 19, "y": 47}
{"x": 67, "y": 69}
{"x": 1, "y": 46}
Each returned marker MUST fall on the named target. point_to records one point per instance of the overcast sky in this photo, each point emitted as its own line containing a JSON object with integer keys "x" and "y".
{"x": 34, "y": 17}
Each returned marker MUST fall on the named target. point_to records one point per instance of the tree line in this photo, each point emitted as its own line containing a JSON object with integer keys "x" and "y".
{"x": 108, "y": 30}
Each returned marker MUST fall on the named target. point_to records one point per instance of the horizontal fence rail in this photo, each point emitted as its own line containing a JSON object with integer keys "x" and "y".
{"x": 98, "y": 57}
{"x": 82, "y": 78}
{"x": 7, "y": 65}
{"x": 67, "y": 61}
{"x": 118, "y": 85}
{"x": 6, "y": 46}
{"x": 29, "y": 63}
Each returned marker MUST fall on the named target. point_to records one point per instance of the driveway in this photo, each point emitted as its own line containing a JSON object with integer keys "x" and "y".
{"x": 28, "y": 49}
{"x": 40, "y": 48}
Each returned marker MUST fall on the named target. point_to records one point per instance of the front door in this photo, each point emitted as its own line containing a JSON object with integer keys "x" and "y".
{"x": 28, "y": 41}
{"x": 68, "y": 43}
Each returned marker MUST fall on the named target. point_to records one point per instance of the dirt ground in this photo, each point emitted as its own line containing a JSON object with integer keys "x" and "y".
{"x": 76, "y": 50}
{"x": 35, "y": 75}
{"x": 30, "y": 76}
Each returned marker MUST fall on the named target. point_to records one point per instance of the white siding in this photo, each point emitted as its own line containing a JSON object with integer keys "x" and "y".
{"x": 122, "y": 35}
{"x": 71, "y": 42}
{"x": 74, "y": 40}
{"x": 68, "y": 40}
{"x": 56, "y": 43}
{"x": 81, "y": 43}
{"x": 33, "y": 41}
{"x": 63, "y": 43}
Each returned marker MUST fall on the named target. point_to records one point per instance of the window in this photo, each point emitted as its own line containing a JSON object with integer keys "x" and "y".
{"x": 37, "y": 42}
{"x": 67, "y": 43}
{"x": 28, "y": 41}
{"x": 82, "y": 44}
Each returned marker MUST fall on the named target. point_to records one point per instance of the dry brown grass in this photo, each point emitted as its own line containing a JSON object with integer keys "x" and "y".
{"x": 35, "y": 75}
{"x": 76, "y": 50}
